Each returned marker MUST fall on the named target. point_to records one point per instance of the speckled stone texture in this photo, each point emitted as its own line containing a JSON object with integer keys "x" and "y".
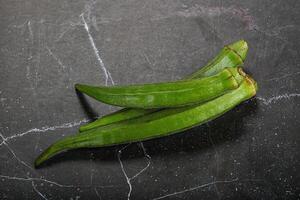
{"x": 46, "y": 47}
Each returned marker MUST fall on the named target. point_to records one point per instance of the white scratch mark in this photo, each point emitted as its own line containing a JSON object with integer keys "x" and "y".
{"x": 217, "y": 163}
{"x": 124, "y": 172}
{"x": 106, "y": 72}
{"x": 2, "y": 100}
{"x": 13, "y": 153}
{"x": 104, "y": 186}
{"x": 91, "y": 177}
{"x": 55, "y": 58}
{"x": 195, "y": 188}
{"x": 30, "y": 179}
{"x": 147, "y": 59}
{"x": 277, "y": 30}
{"x": 37, "y": 191}
{"x": 283, "y": 77}
{"x": 28, "y": 74}
{"x": 148, "y": 164}
{"x": 274, "y": 99}
{"x": 206, "y": 185}
{"x": 44, "y": 129}
{"x": 20, "y": 25}
{"x": 94, "y": 22}
{"x": 30, "y": 31}
{"x": 37, "y": 144}
{"x": 61, "y": 35}
{"x": 97, "y": 193}
{"x": 241, "y": 13}
{"x": 88, "y": 9}
{"x": 38, "y": 61}
{"x": 129, "y": 179}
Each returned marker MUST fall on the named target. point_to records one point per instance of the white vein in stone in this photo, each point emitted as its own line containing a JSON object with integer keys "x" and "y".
{"x": 283, "y": 77}
{"x": 129, "y": 179}
{"x": 148, "y": 164}
{"x": 124, "y": 172}
{"x": 206, "y": 185}
{"x": 45, "y": 129}
{"x": 61, "y": 35}
{"x": 55, "y": 58}
{"x": 97, "y": 193}
{"x": 215, "y": 11}
{"x": 106, "y": 72}
{"x": 37, "y": 191}
{"x": 14, "y": 154}
{"x": 30, "y": 179}
{"x": 147, "y": 59}
{"x": 194, "y": 188}
{"x": 30, "y": 31}
{"x": 274, "y": 99}
{"x": 217, "y": 162}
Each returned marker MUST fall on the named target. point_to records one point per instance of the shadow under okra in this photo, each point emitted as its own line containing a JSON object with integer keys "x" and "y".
{"x": 226, "y": 128}
{"x": 89, "y": 111}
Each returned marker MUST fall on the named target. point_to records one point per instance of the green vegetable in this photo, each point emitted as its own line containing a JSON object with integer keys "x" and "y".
{"x": 159, "y": 124}
{"x": 120, "y": 115}
{"x": 232, "y": 55}
{"x": 164, "y": 95}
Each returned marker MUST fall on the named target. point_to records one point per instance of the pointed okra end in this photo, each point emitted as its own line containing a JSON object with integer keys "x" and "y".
{"x": 40, "y": 159}
{"x": 86, "y": 89}
{"x": 240, "y": 47}
{"x": 37, "y": 162}
{"x": 79, "y": 87}
{"x": 52, "y": 150}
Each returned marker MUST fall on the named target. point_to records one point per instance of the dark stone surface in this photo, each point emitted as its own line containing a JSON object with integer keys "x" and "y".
{"x": 250, "y": 153}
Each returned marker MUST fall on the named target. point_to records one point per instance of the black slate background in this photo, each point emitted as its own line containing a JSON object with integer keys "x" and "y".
{"x": 47, "y": 46}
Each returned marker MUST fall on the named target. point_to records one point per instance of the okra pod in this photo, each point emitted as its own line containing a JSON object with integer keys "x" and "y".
{"x": 120, "y": 115}
{"x": 148, "y": 127}
{"x": 231, "y": 55}
{"x": 164, "y": 95}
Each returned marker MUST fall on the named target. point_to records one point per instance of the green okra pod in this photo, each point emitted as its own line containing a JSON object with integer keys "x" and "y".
{"x": 120, "y": 115}
{"x": 231, "y": 55}
{"x": 167, "y": 122}
{"x": 163, "y": 95}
